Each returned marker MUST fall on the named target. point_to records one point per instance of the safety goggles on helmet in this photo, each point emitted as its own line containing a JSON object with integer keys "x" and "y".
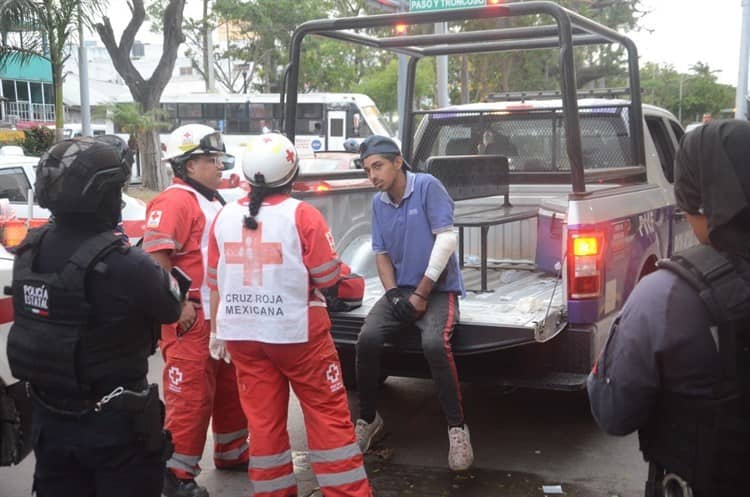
{"x": 210, "y": 143}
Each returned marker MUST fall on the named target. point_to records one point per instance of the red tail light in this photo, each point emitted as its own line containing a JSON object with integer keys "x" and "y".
{"x": 585, "y": 250}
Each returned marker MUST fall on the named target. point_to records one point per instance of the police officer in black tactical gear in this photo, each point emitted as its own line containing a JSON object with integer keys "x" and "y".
{"x": 677, "y": 364}
{"x": 87, "y": 313}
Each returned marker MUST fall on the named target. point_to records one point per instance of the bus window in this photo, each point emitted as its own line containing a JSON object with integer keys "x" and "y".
{"x": 307, "y": 117}
{"x": 189, "y": 111}
{"x": 238, "y": 120}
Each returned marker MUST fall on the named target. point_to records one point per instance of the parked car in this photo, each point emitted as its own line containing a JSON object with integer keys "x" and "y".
{"x": 17, "y": 178}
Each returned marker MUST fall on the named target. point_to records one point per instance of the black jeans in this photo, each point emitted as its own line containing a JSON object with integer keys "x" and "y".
{"x": 436, "y": 328}
{"x": 94, "y": 455}
{"x": 121, "y": 471}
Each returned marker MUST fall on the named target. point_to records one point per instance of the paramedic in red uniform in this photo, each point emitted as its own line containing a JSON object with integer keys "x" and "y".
{"x": 269, "y": 256}
{"x": 196, "y": 386}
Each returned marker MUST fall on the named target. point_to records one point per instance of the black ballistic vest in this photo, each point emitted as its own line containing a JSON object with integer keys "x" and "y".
{"x": 52, "y": 320}
{"x": 707, "y": 441}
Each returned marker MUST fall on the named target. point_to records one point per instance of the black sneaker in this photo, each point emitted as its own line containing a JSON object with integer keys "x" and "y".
{"x": 175, "y": 487}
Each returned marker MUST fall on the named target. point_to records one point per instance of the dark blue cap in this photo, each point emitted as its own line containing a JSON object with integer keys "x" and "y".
{"x": 377, "y": 144}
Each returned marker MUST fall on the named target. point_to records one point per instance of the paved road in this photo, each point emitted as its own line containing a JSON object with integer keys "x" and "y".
{"x": 522, "y": 440}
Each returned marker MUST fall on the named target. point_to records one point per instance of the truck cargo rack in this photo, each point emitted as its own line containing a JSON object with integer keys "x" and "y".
{"x": 514, "y": 96}
{"x": 570, "y": 30}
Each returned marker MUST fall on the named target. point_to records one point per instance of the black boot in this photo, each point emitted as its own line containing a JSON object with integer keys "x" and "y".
{"x": 175, "y": 487}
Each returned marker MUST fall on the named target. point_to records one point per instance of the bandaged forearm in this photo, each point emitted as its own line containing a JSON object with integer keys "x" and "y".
{"x": 442, "y": 250}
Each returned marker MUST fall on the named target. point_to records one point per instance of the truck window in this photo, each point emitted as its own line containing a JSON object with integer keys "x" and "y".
{"x": 677, "y": 129}
{"x": 531, "y": 142}
{"x": 663, "y": 144}
{"x": 13, "y": 184}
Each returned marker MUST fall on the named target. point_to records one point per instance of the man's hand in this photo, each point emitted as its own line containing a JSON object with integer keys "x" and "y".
{"x": 402, "y": 307}
{"x": 218, "y": 349}
{"x": 419, "y": 303}
{"x": 187, "y": 317}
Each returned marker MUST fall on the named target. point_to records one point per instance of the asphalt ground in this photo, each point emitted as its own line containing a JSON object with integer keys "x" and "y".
{"x": 523, "y": 440}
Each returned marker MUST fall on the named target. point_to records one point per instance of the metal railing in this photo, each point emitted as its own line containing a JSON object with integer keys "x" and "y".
{"x": 26, "y": 111}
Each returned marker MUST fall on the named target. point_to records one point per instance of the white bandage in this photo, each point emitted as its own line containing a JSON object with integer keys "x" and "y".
{"x": 442, "y": 250}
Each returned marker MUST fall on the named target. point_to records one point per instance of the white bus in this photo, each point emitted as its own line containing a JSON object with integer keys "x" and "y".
{"x": 324, "y": 120}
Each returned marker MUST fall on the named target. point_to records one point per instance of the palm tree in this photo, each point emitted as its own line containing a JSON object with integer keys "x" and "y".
{"x": 46, "y": 28}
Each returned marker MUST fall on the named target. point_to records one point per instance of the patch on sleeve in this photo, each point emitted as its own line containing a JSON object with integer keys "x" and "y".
{"x": 331, "y": 241}
{"x": 154, "y": 219}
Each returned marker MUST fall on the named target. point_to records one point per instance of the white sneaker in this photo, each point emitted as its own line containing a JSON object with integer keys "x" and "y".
{"x": 367, "y": 433}
{"x": 460, "y": 454}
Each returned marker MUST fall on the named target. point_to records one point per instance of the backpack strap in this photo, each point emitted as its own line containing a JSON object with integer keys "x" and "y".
{"x": 718, "y": 283}
{"x": 87, "y": 257}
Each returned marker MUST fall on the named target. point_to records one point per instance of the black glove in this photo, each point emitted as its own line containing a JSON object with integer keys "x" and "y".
{"x": 402, "y": 308}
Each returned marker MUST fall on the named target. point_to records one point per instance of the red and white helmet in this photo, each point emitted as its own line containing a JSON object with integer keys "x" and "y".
{"x": 193, "y": 139}
{"x": 271, "y": 155}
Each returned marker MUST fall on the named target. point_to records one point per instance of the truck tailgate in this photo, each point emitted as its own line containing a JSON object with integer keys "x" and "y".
{"x": 524, "y": 306}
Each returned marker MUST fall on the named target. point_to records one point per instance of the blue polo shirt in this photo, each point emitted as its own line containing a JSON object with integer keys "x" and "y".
{"x": 406, "y": 232}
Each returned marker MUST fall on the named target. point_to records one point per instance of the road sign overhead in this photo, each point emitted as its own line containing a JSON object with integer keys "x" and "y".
{"x": 426, "y": 5}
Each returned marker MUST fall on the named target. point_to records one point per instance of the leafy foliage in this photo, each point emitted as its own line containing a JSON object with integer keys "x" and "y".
{"x": 701, "y": 92}
{"x": 37, "y": 140}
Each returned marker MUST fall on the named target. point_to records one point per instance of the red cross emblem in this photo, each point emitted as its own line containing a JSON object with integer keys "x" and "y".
{"x": 289, "y": 155}
{"x": 253, "y": 254}
{"x": 154, "y": 219}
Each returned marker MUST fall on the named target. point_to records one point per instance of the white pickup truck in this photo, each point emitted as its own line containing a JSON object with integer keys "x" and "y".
{"x": 561, "y": 210}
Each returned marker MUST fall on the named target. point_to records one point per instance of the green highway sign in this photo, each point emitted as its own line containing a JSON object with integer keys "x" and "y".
{"x": 427, "y": 5}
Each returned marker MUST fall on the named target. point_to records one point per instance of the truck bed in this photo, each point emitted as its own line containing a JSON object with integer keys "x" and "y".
{"x": 524, "y": 306}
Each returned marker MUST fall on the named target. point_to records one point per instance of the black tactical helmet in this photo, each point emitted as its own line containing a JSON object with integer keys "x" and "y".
{"x": 76, "y": 175}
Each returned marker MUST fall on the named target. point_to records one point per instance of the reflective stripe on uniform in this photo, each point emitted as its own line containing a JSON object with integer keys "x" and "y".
{"x": 341, "y": 477}
{"x": 185, "y": 463}
{"x": 159, "y": 242}
{"x": 272, "y": 461}
{"x": 211, "y": 270}
{"x": 333, "y": 455}
{"x": 211, "y": 281}
{"x": 325, "y": 267}
{"x": 325, "y": 279}
{"x": 233, "y": 454}
{"x": 224, "y": 438}
{"x": 282, "y": 483}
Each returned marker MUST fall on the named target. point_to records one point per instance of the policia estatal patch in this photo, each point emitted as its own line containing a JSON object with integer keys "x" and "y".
{"x": 35, "y": 298}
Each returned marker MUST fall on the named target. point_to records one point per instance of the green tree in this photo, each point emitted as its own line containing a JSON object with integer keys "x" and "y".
{"x": 701, "y": 92}
{"x": 380, "y": 84}
{"x": 539, "y": 69}
{"x": 146, "y": 92}
{"x": 45, "y": 28}
{"x": 266, "y": 28}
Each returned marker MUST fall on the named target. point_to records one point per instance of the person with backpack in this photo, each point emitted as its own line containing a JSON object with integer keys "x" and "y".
{"x": 676, "y": 366}
{"x": 270, "y": 257}
{"x": 87, "y": 310}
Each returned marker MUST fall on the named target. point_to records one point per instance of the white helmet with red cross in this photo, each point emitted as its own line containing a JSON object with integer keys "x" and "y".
{"x": 271, "y": 155}
{"x": 193, "y": 139}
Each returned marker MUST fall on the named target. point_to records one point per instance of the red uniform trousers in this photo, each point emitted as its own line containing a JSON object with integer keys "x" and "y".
{"x": 196, "y": 388}
{"x": 264, "y": 373}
